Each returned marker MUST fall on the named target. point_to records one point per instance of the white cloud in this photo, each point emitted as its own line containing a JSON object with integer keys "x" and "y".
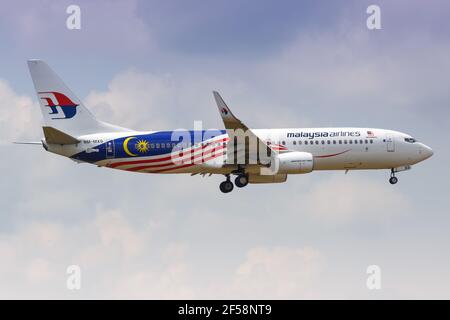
{"x": 114, "y": 230}
{"x": 173, "y": 280}
{"x": 150, "y": 101}
{"x": 19, "y": 116}
{"x": 117, "y": 259}
{"x": 344, "y": 199}
{"x": 38, "y": 271}
{"x": 35, "y": 258}
{"x": 134, "y": 99}
{"x": 278, "y": 273}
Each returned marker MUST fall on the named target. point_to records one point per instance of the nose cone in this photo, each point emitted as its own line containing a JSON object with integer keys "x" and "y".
{"x": 425, "y": 152}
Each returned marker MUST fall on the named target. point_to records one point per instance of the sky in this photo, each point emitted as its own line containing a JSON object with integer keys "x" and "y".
{"x": 152, "y": 65}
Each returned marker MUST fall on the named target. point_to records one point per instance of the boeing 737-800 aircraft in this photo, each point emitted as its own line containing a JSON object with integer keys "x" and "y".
{"x": 252, "y": 155}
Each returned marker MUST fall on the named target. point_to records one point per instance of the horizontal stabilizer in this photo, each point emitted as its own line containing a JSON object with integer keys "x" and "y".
{"x": 54, "y": 136}
{"x": 29, "y": 142}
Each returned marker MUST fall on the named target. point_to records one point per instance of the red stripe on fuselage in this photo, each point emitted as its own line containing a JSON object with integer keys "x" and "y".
{"x": 187, "y": 165}
{"x": 182, "y": 161}
{"x": 332, "y": 155}
{"x": 166, "y": 158}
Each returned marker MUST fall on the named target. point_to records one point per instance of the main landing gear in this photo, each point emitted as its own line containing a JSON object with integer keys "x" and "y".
{"x": 240, "y": 182}
{"x": 393, "y": 179}
{"x": 226, "y": 186}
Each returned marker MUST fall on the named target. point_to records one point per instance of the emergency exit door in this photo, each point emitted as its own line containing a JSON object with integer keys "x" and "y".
{"x": 110, "y": 149}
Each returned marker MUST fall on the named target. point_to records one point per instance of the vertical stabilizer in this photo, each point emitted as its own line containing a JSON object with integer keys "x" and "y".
{"x": 60, "y": 107}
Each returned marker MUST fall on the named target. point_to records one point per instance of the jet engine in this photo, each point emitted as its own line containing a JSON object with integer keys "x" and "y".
{"x": 294, "y": 162}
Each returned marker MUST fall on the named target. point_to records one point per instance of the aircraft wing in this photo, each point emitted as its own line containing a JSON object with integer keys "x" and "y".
{"x": 243, "y": 141}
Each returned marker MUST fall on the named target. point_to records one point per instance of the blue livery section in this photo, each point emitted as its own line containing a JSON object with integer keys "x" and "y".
{"x": 154, "y": 144}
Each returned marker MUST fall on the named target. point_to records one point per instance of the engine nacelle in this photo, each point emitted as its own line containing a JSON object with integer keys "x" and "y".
{"x": 274, "y": 178}
{"x": 295, "y": 162}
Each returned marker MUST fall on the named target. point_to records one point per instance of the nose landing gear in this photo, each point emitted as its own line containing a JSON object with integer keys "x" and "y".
{"x": 393, "y": 179}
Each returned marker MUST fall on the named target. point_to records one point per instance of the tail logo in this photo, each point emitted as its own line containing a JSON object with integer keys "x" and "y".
{"x": 67, "y": 106}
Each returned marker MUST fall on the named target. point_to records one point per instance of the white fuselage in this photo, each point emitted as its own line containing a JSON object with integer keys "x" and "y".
{"x": 383, "y": 149}
{"x": 331, "y": 148}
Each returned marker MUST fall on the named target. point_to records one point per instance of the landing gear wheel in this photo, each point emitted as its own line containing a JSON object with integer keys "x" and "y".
{"x": 241, "y": 181}
{"x": 226, "y": 186}
{"x": 393, "y": 180}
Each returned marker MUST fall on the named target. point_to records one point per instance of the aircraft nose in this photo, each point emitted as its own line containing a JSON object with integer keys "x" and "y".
{"x": 425, "y": 151}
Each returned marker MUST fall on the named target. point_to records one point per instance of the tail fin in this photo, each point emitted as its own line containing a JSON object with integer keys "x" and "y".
{"x": 61, "y": 109}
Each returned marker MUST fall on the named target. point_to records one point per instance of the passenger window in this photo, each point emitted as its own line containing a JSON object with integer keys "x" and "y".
{"x": 328, "y": 141}
{"x": 350, "y": 141}
{"x": 300, "y": 142}
{"x": 340, "y": 141}
{"x": 294, "y": 142}
{"x": 371, "y": 141}
{"x": 157, "y": 145}
{"x": 323, "y": 142}
{"x": 345, "y": 141}
{"x": 360, "y": 141}
{"x": 152, "y": 145}
{"x": 366, "y": 141}
{"x": 334, "y": 141}
{"x": 317, "y": 141}
{"x": 306, "y": 142}
{"x": 283, "y": 143}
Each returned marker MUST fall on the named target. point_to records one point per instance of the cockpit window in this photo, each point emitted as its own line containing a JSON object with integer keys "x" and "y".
{"x": 410, "y": 140}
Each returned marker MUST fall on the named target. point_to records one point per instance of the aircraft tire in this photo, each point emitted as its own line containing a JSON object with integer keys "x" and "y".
{"x": 226, "y": 186}
{"x": 393, "y": 180}
{"x": 241, "y": 181}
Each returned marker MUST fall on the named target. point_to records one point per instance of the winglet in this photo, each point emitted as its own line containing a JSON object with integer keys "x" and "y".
{"x": 241, "y": 149}
{"x": 229, "y": 119}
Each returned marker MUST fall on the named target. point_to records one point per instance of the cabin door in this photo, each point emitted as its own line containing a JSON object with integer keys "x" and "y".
{"x": 390, "y": 144}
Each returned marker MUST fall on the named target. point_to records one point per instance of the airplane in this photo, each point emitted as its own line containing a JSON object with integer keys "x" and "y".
{"x": 253, "y": 156}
